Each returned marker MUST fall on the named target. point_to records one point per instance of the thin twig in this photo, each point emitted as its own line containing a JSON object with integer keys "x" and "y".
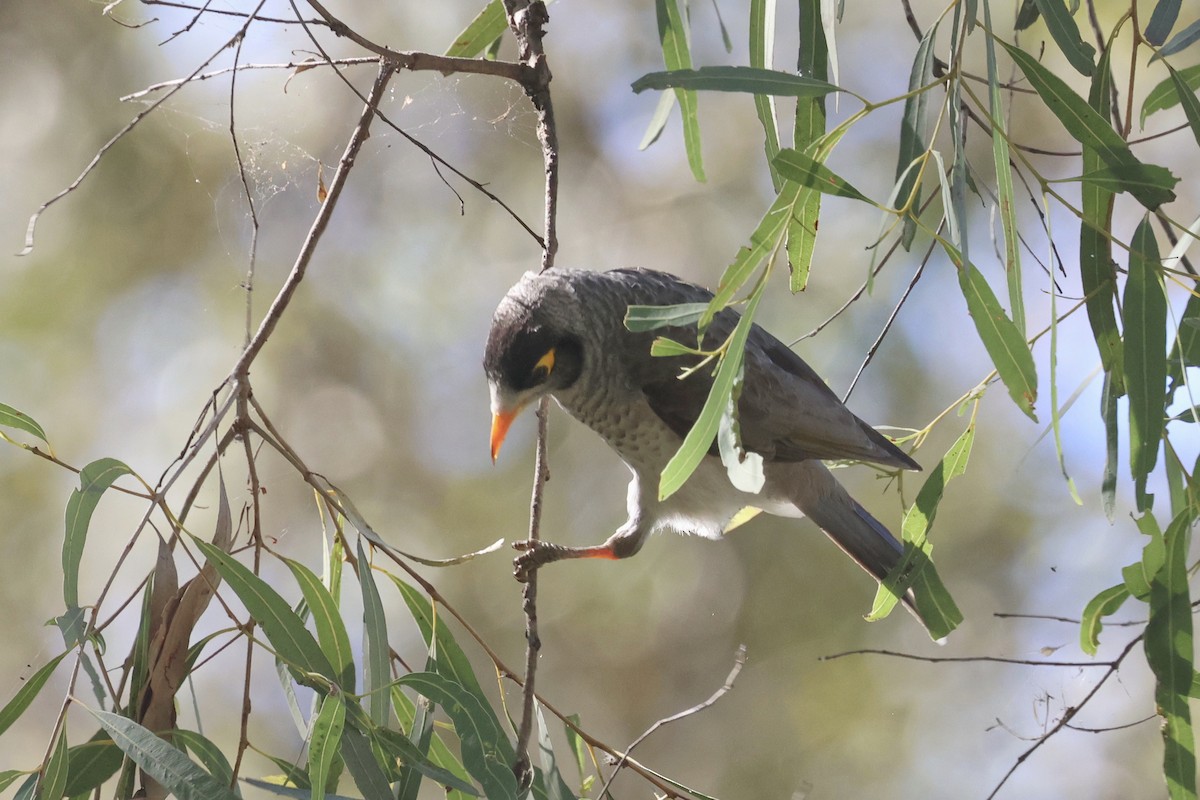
{"x": 216, "y": 73}
{"x": 739, "y": 661}
{"x": 887, "y": 326}
{"x": 228, "y": 13}
{"x": 527, "y": 21}
{"x": 284, "y": 297}
{"x": 1068, "y": 715}
{"x": 967, "y": 659}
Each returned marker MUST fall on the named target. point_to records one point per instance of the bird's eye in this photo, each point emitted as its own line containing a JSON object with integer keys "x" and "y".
{"x": 542, "y": 369}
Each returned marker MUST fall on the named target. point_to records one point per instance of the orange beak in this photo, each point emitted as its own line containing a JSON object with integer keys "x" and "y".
{"x": 501, "y": 421}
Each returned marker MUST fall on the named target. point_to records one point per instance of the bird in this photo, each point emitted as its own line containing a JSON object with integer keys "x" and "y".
{"x": 561, "y": 332}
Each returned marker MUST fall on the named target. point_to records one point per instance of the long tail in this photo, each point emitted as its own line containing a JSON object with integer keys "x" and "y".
{"x": 856, "y": 532}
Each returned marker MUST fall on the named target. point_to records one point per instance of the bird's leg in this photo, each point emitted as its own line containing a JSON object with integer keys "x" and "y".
{"x": 536, "y": 552}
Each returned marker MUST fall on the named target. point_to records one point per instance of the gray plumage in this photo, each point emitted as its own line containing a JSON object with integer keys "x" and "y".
{"x": 604, "y": 376}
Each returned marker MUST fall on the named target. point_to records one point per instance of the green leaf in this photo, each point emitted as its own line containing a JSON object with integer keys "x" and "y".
{"x": 324, "y": 741}
{"x": 94, "y": 479}
{"x": 1102, "y": 605}
{"x": 1139, "y": 574}
{"x": 915, "y": 569}
{"x": 912, "y": 134}
{"x": 449, "y": 659}
{"x": 92, "y": 763}
{"x": 283, "y": 628}
{"x": 1027, "y": 14}
{"x": 556, "y": 787}
{"x": 639, "y": 319}
{"x": 1004, "y": 183}
{"x": 53, "y": 778}
{"x": 1091, "y": 130}
{"x": 809, "y": 129}
{"x": 167, "y": 765}
{"x": 1063, "y": 30}
{"x": 209, "y": 754}
{"x": 698, "y": 440}
{"x": 488, "y": 26}
{"x": 11, "y": 418}
{"x": 1168, "y": 94}
{"x": 289, "y": 791}
{"x": 1124, "y": 178}
{"x": 487, "y": 753}
{"x": 436, "y": 750}
{"x": 751, "y": 80}
{"x": 376, "y": 653}
{"x": 400, "y": 747}
{"x": 662, "y": 347}
{"x": 658, "y": 120}
{"x": 331, "y": 630}
{"x": 1004, "y": 343}
{"x": 1169, "y": 653}
{"x": 1180, "y": 41}
{"x": 29, "y": 690}
{"x": 1108, "y": 414}
{"x": 1097, "y": 270}
{"x": 762, "y": 40}
{"x": 368, "y": 775}
{"x": 1161, "y": 21}
{"x": 1145, "y": 315}
{"x": 1185, "y": 352}
{"x": 673, "y": 34}
{"x": 764, "y": 239}
{"x": 807, "y": 171}
{"x": 1191, "y": 106}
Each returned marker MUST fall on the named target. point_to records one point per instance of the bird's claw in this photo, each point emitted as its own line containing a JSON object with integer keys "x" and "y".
{"x": 535, "y": 553}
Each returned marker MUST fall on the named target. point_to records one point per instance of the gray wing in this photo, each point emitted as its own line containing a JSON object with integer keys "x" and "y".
{"x": 786, "y": 411}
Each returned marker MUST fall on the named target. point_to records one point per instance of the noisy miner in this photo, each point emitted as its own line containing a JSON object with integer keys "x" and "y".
{"x": 561, "y": 332}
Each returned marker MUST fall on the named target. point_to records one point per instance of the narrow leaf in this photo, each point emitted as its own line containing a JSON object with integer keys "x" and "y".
{"x": 1167, "y": 93}
{"x": 1162, "y": 21}
{"x": 1108, "y": 414}
{"x": 1102, "y": 605}
{"x": 762, "y": 42}
{"x": 368, "y": 775}
{"x": 167, "y": 765}
{"x": 1180, "y": 41}
{"x": 1004, "y": 343}
{"x": 53, "y": 777}
{"x": 940, "y": 617}
{"x": 209, "y": 754}
{"x": 92, "y": 763}
{"x": 1004, "y": 182}
{"x": 912, "y": 134}
{"x": 1089, "y": 128}
{"x": 807, "y": 171}
{"x": 700, "y": 438}
{"x": 488, "y": 26}
{"x": 658, "y": 121}
{"x": 13, "y": 710}
{"x": 398, "y": 746}
{"x": 648, "y": 318}
{"x": 283, "y": 628}
{"x": 1191, "y": 106}
{"x": 376, "y": 657}
{"x": 331, "y": 630}
{"x": 672, "y": 33}
{"x": 11, "y": 418}
{"x": 751, "y": 80}
{"x": 325, "y": 741}
{"x": 487, "y": 753}
{"x": 1097, "y": 270}
{"x": 449, "y": 658}
{"x": 1169, "y": 653}
{"x": 94, "y": 480}
{"x": 1145, "y": 316}
{"x": 815, "y": 58}
{"x": 1065, "y": 33}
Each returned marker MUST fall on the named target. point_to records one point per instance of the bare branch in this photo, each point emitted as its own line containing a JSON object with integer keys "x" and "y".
{"x": 967, "y": 659}
{"x": 284, "y": 297}
{"x": 739, "y": 661}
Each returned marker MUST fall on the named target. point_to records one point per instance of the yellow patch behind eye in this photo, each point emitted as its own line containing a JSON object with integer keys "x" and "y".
{"x": 546, "y": 362}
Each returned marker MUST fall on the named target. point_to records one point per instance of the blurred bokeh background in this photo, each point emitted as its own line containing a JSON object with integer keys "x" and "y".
{"x": 131, "y": 310}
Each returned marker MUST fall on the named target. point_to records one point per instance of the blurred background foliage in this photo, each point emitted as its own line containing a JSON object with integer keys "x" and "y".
{"x": 130, "y": 311}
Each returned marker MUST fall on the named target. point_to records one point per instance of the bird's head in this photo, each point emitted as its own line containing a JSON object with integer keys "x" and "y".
{"x": 533, "y": 349}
